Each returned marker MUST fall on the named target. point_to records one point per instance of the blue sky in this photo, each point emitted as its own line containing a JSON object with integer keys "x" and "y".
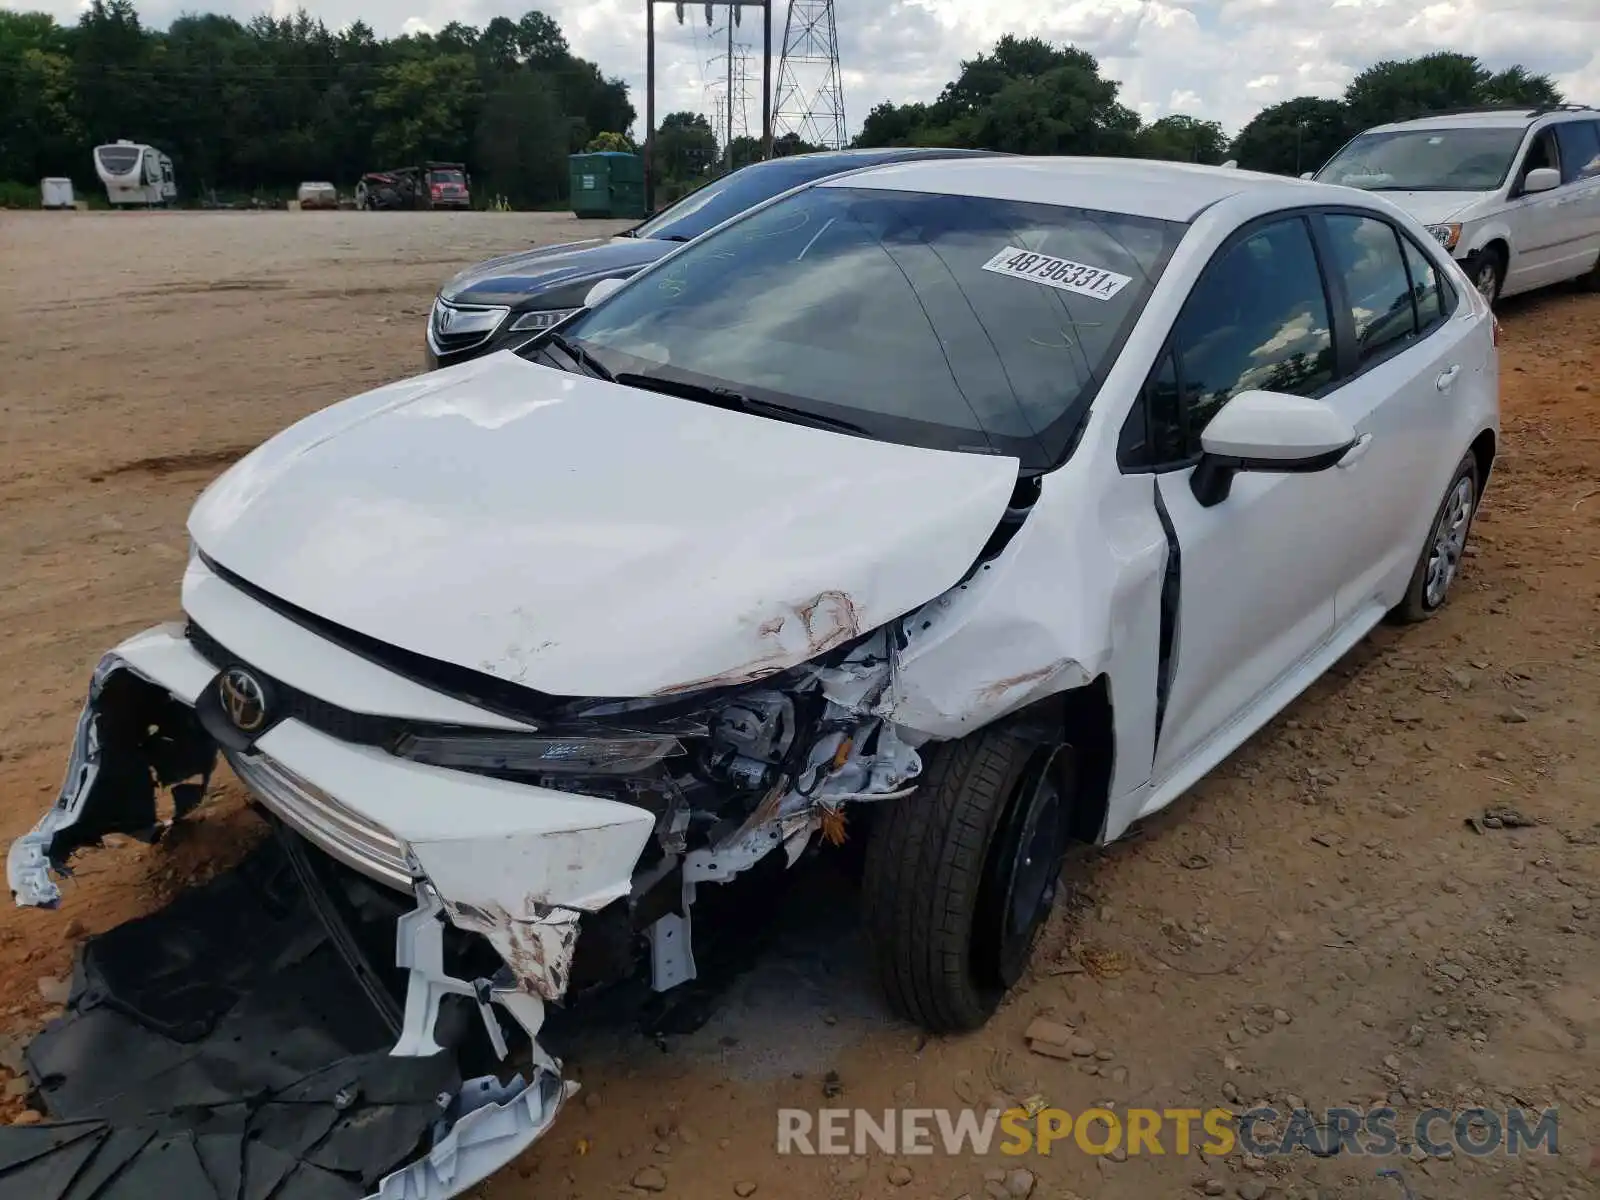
{"x": 1219, "y": 59}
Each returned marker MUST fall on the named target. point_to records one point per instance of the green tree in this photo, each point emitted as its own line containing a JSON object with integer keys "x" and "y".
{"x": 521, "y": 144}
{"x": 1294, "y": 136}
{"x": 1183, "y": 139}
{"x": 1397, "y": 91}
{"x": 423, "y": 102}
{"x": 610, "y": 141}
{"x": 685, "y": 147}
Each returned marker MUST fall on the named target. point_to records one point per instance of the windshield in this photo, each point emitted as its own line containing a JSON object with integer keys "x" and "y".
{"x": 952, "y": 322}
{"x": 729, "y": 196}
{"x": 447, "y": 177}
{"x": 1425, "y": 160}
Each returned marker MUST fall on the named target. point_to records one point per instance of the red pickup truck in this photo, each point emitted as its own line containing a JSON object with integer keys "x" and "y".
{"x": 432, "y": 185}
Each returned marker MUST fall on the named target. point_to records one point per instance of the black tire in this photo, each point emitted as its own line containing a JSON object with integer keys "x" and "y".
{"x": 1420, "y": 603}
{"x": 1487, "y": 270}
{"x": 1590, "y": 282}
{"x": 936, "y": 879}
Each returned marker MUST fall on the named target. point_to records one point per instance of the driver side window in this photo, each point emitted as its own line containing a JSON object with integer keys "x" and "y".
{"x": 1257, "y": 319}
{"x": 1543, "y": 152}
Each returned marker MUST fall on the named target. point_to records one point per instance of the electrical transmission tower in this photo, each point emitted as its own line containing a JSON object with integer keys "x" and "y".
{"x": 810, "y": 91}
{"x": 730, "y": 93}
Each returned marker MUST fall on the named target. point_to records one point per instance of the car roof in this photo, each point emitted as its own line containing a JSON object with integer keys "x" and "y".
{"x": 1489, "y": 118}
{"x": 849, "y": 160}
{"x": 1165, "y": 191}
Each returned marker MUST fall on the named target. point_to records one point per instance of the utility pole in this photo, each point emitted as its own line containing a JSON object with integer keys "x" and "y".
{"x": 650, "y": 79}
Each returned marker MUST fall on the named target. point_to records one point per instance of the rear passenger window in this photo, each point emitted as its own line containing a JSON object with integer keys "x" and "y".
{"x": 1424, "y": 288}
{"x": 1258, "y": 319}
{"x": 1367, "y": 256}
{"x": 1580, "y": 149}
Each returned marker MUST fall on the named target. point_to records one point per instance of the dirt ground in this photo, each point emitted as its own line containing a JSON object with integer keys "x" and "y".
{"x": 1316, "y": 923}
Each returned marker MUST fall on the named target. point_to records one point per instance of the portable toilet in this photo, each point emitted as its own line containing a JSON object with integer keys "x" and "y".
{"x": 56, "y": 193}
{"x": 608, "y": 183}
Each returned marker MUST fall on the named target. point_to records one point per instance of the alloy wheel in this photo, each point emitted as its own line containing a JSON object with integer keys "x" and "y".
{"x": 1449, "y": 543}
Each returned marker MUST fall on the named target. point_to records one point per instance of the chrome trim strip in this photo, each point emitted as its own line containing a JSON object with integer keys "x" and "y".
{"x": 346, "y": 835}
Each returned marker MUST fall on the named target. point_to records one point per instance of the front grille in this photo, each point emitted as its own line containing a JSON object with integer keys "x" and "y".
{"x": 484, "y": 322}
{"x": 346, "y": 835}
{"x": 362, "y": 729}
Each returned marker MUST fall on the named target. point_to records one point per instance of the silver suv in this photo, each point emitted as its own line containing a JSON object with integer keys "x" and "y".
{"x": 1512, "y": 193}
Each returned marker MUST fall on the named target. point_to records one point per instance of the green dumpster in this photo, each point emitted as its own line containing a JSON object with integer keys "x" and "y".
{"x": 608, "y": 183}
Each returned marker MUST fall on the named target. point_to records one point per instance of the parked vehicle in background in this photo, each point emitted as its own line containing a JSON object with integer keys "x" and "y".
{"x": 961, "y": 508}
{"x": 135, "y": 174}
{"x": 56, "y": 192}
{"x": 431, "y": 185}
{"x": 503, "y": 302}
{"x": 317, "y": 195}
{"x": 1513, "y": 194}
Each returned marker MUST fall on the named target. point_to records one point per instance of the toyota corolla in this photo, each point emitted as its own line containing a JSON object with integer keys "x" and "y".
{"x": 965, "y": 507}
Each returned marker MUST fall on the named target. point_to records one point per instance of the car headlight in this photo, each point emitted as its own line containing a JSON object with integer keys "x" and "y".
{"x": 1446, "y": 235}
{"x": 545, "y": 319}
{"x": 538, "y": 754}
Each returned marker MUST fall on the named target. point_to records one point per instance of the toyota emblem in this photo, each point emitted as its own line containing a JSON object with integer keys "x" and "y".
{"x": 243, "y": 699}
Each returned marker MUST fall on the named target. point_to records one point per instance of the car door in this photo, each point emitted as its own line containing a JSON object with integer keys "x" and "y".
{"x": 1258, "y": 573}
{"x": 1579, "y": 143}
{"x": 1534, "y": 219}
{"x": 1404, "y": 369}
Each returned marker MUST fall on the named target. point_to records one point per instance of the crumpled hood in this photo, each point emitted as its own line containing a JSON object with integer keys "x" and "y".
{"x": 529, "y": 274}
{"x": 582, "y": 538}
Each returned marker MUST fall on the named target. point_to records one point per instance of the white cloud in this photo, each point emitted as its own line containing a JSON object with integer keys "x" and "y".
{"x": 1219, "y": 59}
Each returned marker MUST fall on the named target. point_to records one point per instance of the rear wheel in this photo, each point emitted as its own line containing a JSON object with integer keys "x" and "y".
{"x": 1440, "y": 562}
{"x": 961, "y": 875}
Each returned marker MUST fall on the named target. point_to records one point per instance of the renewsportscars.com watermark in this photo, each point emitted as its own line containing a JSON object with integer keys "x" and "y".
{"x": 1264, "y": 1132}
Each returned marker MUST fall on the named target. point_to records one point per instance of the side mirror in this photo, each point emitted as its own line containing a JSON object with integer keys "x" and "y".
{"x": 1307, "y": 174}
{"x": 1267, "y": 431}
{"x": 1541, "y": 179}
{"x": 601, "y": 290}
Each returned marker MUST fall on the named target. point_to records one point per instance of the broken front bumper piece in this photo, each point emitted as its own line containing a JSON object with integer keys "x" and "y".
{"x": 223, "y": 1048}
{"x": 517, "y": 865}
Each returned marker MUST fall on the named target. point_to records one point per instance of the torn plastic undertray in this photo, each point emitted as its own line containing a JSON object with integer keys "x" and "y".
{"x": 224, "y": 1047}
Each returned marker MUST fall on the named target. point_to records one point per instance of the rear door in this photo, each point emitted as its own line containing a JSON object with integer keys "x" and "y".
{"x": 1407, "y": 367}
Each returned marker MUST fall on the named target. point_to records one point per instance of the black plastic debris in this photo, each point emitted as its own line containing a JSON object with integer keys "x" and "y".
{"x": 228, "y": 1047}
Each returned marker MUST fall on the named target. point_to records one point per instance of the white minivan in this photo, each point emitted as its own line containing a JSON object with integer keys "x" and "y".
{"x": 1513, "y": 194}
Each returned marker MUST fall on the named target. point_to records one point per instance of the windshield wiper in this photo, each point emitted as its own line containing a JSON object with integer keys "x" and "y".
{"x": 721, "y": 397}
{"x": 579, "y": 355}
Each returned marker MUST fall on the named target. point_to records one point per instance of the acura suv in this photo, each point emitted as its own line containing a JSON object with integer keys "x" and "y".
{"x": 503, "y": 302}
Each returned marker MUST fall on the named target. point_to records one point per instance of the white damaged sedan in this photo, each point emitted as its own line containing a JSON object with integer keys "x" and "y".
{"x": 969, "y": 507}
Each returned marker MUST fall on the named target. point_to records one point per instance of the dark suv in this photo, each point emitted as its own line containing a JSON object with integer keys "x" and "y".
{"x": 502, "y": 303}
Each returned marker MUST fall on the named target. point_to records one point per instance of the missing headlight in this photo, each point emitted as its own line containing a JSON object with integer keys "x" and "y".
{"x": 523, "y": 754}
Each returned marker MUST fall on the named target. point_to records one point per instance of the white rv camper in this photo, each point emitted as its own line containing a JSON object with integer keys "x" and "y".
{"x": 135, "y": 174}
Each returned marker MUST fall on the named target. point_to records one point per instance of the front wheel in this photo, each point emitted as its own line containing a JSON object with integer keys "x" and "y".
{"x": 1440, "y": 562}
{"x": 961, "y": 875}
{"x": 1487, "y": 270}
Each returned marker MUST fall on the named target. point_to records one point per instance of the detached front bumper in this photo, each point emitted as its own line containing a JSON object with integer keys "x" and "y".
{"x": 513, "y": 864}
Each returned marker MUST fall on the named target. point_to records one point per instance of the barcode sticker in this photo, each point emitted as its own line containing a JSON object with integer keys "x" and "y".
{"x": 1062, "y": 273}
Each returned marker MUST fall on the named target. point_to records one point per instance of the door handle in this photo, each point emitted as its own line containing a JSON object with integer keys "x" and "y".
{"x": 1447, "y": 378}
{"x": 1356, "y": 452}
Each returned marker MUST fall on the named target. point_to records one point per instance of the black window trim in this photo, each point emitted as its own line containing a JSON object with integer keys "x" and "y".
{"x": 1346, "y": 350}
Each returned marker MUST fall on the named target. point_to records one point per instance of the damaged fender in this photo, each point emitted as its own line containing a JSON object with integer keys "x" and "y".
{"x": 1034, "y": 621}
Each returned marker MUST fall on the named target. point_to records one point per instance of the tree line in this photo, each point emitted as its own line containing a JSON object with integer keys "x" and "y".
{"x": 263, "y": 105}
{"x": 266, "y": 104}
{"x": 1027, "y": 96}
